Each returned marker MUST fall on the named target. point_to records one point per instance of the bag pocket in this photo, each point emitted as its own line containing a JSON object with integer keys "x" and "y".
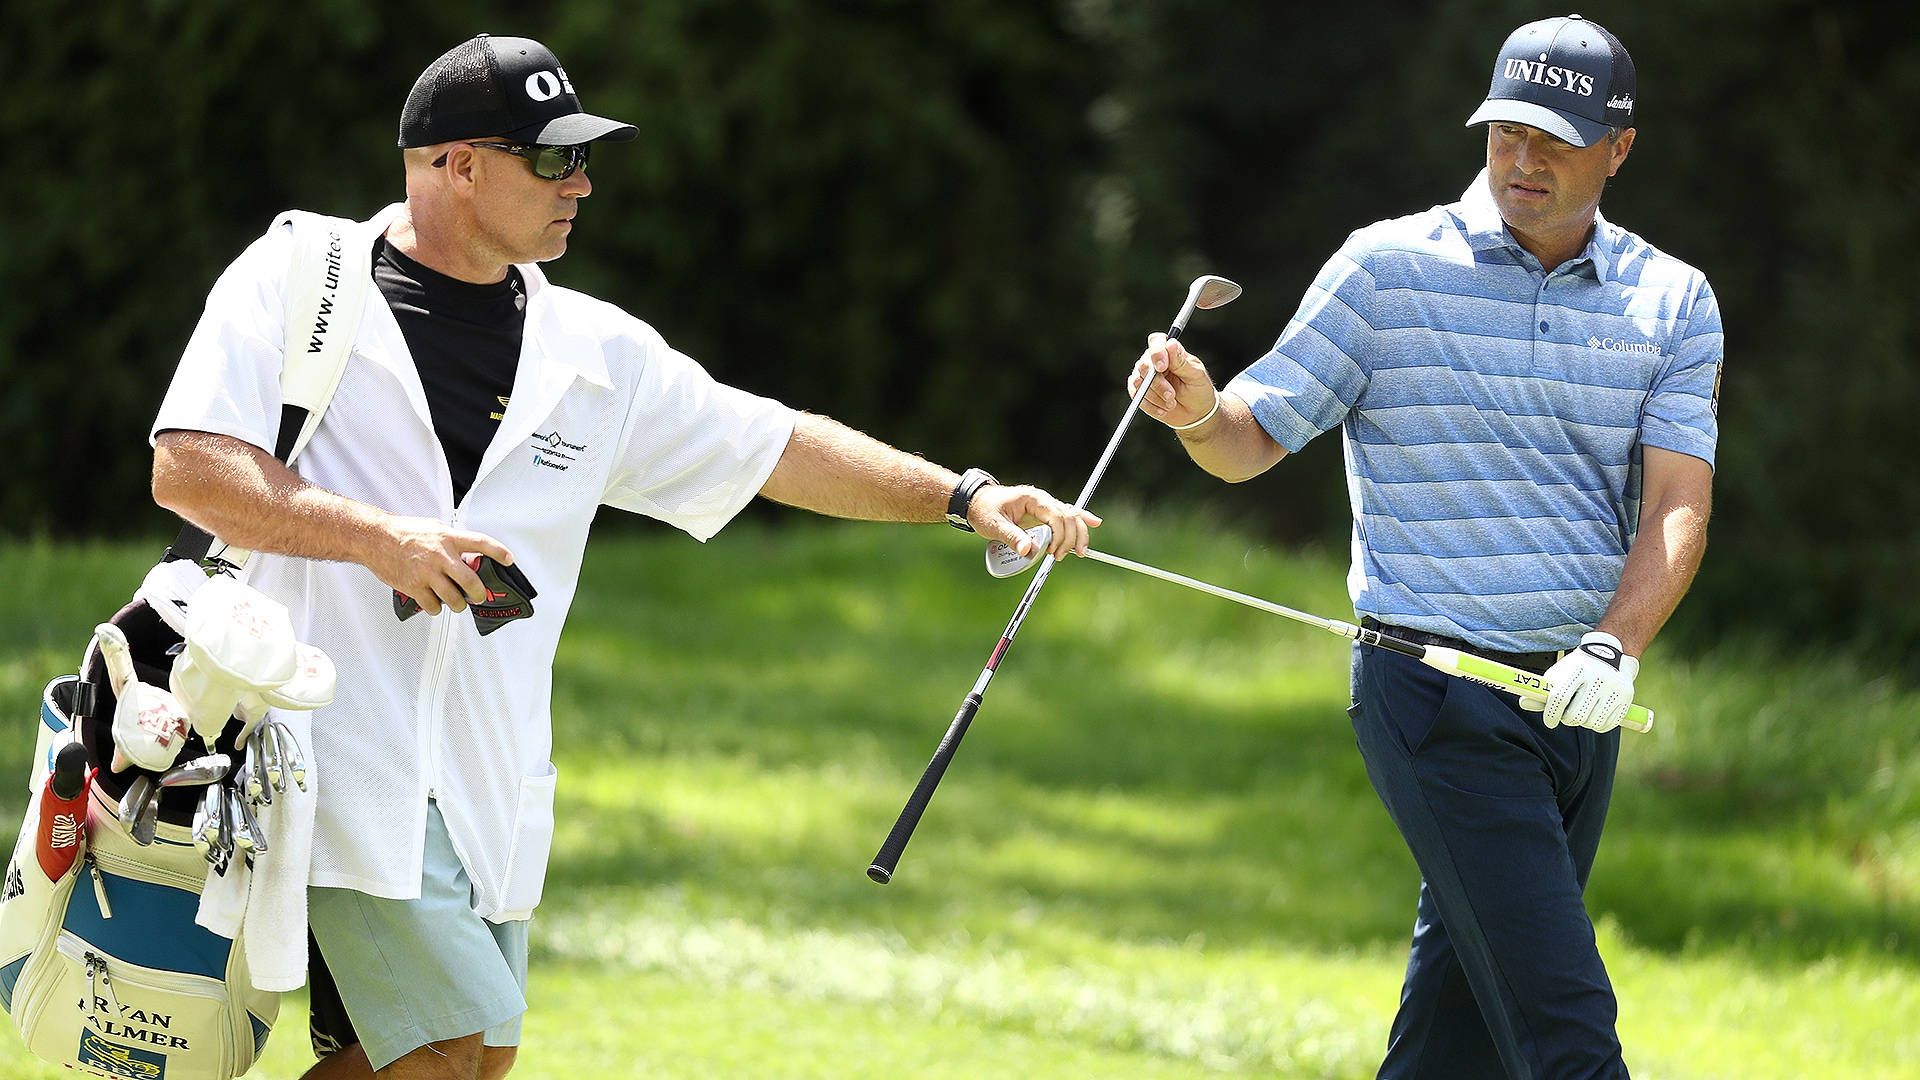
{"x": 532, "y": 844}
{"x": 119, "y": 1019}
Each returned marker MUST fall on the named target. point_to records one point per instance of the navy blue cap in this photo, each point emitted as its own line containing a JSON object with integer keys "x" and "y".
{"x": 1568, "y": 77}
{"x": 509, "y": 87}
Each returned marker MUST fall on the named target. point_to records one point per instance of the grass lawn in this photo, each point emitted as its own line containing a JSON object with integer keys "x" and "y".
{"x": 1155, "y": 856}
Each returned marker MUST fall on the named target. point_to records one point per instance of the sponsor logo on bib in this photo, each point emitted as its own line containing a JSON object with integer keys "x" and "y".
{"x": 552, "y": 451}
{"x": 116, "y": 1060}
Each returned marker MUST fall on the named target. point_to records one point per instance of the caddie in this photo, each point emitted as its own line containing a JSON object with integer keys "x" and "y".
{"x": 1527, "y": 395}
{"x": 484, "y": 412}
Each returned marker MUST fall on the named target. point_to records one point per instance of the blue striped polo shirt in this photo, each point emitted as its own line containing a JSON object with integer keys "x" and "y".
{"x": 1492, "y": 413}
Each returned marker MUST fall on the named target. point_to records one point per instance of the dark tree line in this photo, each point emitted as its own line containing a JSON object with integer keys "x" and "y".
{"x": 952, "y": 224}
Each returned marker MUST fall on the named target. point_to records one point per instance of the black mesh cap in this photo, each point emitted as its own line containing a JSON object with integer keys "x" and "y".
{"x": 509, "y": 87}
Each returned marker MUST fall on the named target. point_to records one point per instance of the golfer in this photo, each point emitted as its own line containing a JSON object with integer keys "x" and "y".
{"x": 484, "y": 411}
{"x": 1527, "y": 396}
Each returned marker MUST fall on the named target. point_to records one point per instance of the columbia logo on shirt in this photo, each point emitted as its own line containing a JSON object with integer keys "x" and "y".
{"x": 1617, "y": 345}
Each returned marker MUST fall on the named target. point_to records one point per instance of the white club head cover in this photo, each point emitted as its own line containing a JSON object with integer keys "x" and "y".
{"x": 312, "y": 683}
{"x": 310, "y": 688}
{"x": 149, "y": 725}
{"x": 252, "y": 711}
{"x": 238, "y": 642}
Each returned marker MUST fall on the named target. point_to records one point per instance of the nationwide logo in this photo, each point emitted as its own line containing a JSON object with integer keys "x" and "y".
{"x": 1645, "y": 348}
{"x": 1547, "y": 75}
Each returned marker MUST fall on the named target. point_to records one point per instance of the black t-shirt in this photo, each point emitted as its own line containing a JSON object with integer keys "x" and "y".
{"x": 465, "y": 341}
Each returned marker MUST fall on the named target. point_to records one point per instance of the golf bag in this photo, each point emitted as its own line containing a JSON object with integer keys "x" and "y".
{"x": 103, "y": 966}
{"x": 159, "y": 997}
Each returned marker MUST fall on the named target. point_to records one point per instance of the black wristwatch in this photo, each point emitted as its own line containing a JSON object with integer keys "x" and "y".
{"x": 971, "y": 481}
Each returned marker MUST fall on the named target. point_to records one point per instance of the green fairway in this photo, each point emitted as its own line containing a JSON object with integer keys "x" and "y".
{"x": 1156, "y": 854}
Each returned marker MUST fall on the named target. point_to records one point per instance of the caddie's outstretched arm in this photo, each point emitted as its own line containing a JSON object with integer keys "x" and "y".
{"x": 246, "y": 496}
{"x": 829, "y": 468}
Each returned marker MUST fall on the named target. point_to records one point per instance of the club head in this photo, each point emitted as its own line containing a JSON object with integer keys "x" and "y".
{"x": 249, "y": 779}
{"x": 148, "y": 823}
{"x": 135, "y": 799}
{"x": 1004, "y": 562}
{"x": 1210, "y": 292}
{"x": 238, "y": 820}
{"x": 117, "y": 654}
{"x": 292, "y": 757}
{"x": 247, "y": 833}
{"x": 201, "y": 770}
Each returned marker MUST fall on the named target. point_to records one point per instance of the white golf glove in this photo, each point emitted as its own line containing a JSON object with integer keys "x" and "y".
{"x": 1590, "y": 687}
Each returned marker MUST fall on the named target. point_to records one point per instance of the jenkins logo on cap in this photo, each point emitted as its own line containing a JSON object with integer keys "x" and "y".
{"x": 1567, "y": 76}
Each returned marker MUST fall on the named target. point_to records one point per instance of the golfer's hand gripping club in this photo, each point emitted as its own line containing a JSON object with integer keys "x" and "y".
{"x": 1205, "y": 292}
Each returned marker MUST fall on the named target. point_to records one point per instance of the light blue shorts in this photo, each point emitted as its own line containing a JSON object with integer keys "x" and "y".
{"x": 413, "y": 972}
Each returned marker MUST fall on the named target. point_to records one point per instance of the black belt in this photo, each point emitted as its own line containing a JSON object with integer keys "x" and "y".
{"x": 1536, "y": 662}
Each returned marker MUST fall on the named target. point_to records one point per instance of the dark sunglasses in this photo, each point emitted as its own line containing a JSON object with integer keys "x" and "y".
{"x": 548, "y": 162}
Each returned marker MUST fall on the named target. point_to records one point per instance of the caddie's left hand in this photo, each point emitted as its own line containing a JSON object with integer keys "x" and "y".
{"x": 1592, "y": 686}
{"x": 1002, "y": 512}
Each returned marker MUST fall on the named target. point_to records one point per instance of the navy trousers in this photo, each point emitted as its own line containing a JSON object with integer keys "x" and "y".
{"x": 1503, "y": 817}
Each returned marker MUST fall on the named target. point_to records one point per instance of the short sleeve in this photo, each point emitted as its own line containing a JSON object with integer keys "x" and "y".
{"x": 1682, "y": 413}
{"x": 1316, "y": 371}
{"x": 694, "y": 451}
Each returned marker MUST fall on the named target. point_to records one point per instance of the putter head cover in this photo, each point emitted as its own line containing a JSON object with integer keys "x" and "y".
{"x": 238, "y": 642}
{"x": 509, "y": 596}
{"x": 149, "y": 724}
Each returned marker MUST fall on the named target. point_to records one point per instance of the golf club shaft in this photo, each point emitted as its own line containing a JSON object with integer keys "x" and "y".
{"x": 888, "y": 857}
{"x": 1513, "y": 680}
{"x": 1133, "y": 407}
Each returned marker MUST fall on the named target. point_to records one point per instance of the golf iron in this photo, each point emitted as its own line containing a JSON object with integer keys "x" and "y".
{"x": 1205, "y": 293}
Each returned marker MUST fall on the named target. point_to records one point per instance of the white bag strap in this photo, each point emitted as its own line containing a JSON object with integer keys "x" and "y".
{"x": 326, "y": 292}
{"x": 327, "y": 282}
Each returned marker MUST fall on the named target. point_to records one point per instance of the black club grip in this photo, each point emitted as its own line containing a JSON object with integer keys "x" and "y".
{"x": 889, "y": 856}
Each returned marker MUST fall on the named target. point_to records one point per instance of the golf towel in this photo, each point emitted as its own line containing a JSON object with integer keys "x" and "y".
{"x": 277, "y": 900}
{"x": 223, "y": 899}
